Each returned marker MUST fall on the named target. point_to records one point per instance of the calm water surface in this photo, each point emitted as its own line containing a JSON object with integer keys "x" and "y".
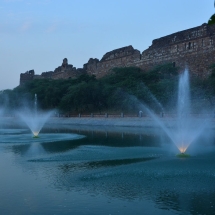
{"x": 86, "y": 171}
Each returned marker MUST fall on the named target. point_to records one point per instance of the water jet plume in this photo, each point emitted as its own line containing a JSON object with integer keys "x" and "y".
{"x": 35, "y": 122}
{"x": 186, "y": 129}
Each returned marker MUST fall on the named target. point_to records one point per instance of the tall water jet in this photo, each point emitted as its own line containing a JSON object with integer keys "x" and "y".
{"x": 35, "y": 104}
{"x": 183, "y": 113}
{"x": 187, "y": 128}
{"x": 35, "y": 120}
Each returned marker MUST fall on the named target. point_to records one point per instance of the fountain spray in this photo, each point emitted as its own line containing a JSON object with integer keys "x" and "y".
{"x": 34, "y": 119}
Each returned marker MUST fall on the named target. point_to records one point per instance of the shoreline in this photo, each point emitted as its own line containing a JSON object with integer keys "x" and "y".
{"x": 123, "y": 121}
{"x": 111, "y": 121}
{"x": 133, "y": 125}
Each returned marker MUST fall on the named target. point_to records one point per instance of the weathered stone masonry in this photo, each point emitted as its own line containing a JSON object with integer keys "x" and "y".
{"x": 65, "y": 71}
{"x": 117, "y": 58}
{"x": 194, "y": 48}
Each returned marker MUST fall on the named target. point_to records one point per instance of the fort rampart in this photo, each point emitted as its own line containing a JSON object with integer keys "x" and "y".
{"x": 193, "y": 48}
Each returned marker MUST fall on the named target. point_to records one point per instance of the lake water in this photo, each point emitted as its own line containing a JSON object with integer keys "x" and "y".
{"x": 103, "y": 171}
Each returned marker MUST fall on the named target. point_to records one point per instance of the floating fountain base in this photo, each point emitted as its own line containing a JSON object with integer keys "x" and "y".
{"x": 35, "y": 136}
{"x": 183, "y": 155}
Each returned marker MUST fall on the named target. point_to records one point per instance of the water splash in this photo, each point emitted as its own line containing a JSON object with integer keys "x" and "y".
{"x": 34, "y": 122}
{"x": 34, "y": 119}
{"x": 187, "y": 128}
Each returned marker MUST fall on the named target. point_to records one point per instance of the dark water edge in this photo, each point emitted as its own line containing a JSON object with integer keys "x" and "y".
{"x": 105, "y": 172}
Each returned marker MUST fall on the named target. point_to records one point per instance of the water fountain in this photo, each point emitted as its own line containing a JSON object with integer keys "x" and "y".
{"x": 35, "y": 120}
{"x": 186, "y": 128}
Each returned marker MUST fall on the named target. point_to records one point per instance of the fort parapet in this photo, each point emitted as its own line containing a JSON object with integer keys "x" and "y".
{"x": 27, "y": 76}
{"x": 193, "y": 48}
{"x": 65, "y": 71}
{"x": 121, "y": 57}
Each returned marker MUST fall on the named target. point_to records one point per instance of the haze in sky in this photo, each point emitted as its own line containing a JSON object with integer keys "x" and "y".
{"x": 38, "y": 34}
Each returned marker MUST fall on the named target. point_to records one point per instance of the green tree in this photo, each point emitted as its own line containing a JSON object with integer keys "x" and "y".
{"x": 212, "y": 18}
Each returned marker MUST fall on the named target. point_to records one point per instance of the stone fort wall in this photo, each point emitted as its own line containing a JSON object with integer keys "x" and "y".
{"x": 193, "y": 48}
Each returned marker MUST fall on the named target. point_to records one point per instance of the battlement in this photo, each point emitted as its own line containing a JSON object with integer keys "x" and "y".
{"x": 192, "y": 47}
{"x": 27, "y": 76}
{"x": 65, "y": 71}
{"x": 117, "y": 58}
{"x": 119, "y": 53}
{"x": 182, "y": 36}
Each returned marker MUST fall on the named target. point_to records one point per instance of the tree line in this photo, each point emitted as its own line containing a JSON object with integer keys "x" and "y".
{"x": 122, "y": 90}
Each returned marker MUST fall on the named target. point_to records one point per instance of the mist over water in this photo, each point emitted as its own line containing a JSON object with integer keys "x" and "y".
{"x": 1, "y": 116}
{"x": 34, "y": 118}
{"x": 35, "y": 121}
{"x": 74, "y": 169}
{"x": 1, "y": 111}
{"x": 152, "y": 97}
{"x": 187, "y": 128}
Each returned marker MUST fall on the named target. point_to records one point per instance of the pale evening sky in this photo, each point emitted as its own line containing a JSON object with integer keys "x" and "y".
{"x": 38, "y": 34}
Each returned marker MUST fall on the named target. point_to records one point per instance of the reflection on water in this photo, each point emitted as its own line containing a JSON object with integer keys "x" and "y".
{"x": 104, "y": 172}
